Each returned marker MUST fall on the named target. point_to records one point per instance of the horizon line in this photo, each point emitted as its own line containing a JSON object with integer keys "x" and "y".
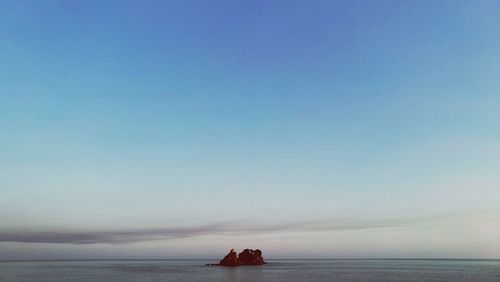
{"x": 198, "y": 259}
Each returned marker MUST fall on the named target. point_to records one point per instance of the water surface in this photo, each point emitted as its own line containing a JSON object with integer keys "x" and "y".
{"x": 275, "y": 270}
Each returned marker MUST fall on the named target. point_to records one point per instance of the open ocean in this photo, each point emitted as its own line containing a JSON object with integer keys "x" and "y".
{"x": 275, "y": 270}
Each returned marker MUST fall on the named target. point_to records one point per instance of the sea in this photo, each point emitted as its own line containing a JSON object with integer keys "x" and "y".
{"x": 274, "y": 270}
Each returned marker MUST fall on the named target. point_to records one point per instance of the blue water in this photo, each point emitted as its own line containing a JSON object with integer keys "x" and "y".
{"x": 275, "y": 270}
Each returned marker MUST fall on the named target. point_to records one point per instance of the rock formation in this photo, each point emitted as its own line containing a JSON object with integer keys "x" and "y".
{"x": 230, "y": 259}
{"x": 247, "y": 257}
{"x": 250, "y": 257}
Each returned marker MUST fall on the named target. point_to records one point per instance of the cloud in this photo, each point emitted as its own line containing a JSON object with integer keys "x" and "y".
{"x": 235, "y": 227}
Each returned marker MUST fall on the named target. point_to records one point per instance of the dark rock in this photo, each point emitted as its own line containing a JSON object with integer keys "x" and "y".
{"x": 230, "y": 259}
{"x": 250, "y": 257}
{"x": 247, "y": 257}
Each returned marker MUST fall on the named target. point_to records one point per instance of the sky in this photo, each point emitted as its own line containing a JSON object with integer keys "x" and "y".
{"x": 308, "y": 129}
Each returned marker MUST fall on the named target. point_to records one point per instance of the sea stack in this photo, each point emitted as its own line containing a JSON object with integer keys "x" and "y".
{"x": 247, "y": 257}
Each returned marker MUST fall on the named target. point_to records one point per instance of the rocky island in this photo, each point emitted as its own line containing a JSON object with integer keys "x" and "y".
{"x": 246, "y": 257}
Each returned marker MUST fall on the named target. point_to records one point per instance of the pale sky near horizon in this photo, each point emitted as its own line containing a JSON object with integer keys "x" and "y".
{"x": 309, "y": 129}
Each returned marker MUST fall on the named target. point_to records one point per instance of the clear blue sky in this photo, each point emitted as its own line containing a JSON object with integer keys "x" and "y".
{"x": 180, "y": 129}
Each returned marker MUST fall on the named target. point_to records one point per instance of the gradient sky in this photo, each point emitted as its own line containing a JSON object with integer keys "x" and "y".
{"x": 309, "y": 129}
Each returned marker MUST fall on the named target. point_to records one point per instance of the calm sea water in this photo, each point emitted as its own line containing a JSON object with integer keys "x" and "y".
{"x": 275, "y": 270}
